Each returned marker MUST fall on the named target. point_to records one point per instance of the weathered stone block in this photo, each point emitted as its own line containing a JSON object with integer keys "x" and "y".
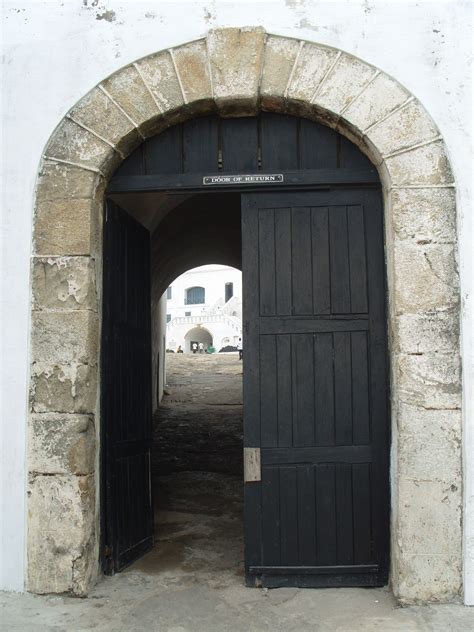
{"x": 69, "y": 388}
{"x": 160, "y": 76}
{"x": 65, "y": 337}
{"x": 61, "y": 444}
{"x": 127, "y": 88}
{"x": 429, "y": 445}
{"x": 429, "y": 516}
{"x": 97, "y": 112}
{"x": 278, "y": 61}
{"x": 380, "y": 97}
{"x": 193, "y": 68}
{"x": 311, "y": 67}
{"x": 60, "y": 181}
{"x": 430, "y": 380}
{"x": 424, "y": 215}
{"x": 425, "y": 165}
{"x": 429, "y": 530}
{"x": 64, "y": 283}
{"x": 74, "y": 144}
{"x": 408, "y": 126}
{"x": 62, "y": 549}
{"x": 236, "y": 57}
{"x": 345, "y": 81}
{"x": 63, "y": 227}
{"x": 426, "y": 276}
{"x": 428, "y": 579}
{"x": 428, "y": 332}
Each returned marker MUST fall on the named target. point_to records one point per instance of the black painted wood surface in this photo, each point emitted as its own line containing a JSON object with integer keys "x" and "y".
{"x": 315, "y": 394}
{"x": 268, "y": 142}
{"x": 126, "y": 391}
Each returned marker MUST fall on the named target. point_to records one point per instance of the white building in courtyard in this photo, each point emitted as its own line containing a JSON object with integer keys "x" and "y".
{"x": 204, "y": 305}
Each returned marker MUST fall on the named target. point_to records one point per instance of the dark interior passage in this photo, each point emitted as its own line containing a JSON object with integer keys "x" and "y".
{"x": 197, "y": 468}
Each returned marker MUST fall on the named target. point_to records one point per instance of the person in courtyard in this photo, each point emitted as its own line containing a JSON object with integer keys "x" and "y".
{"x": 239, "y": 348}
{"x": 201, "y": 347}
{"x": 180, "y": 349}
{"x": 195, "y": 347}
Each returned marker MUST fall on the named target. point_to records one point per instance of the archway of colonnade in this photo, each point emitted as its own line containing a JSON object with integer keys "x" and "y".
{"x": 239, "y": 72}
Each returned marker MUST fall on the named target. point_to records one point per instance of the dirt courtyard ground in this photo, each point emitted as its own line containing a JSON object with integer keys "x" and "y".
{"x": 192, "y": 580}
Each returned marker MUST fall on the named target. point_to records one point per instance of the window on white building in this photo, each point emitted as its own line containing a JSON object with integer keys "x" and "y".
{"x": 187, "y": 313}
{"x": 194, "y": 296}
{"x": 168, "y": 318}
{"x": 168, "y": 293}
{"x": 229, "y": 291}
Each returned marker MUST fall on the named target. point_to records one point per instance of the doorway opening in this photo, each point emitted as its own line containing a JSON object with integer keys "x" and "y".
{"x": 310, "y": 243}
{"x": 197, "y": 340}
{"x": 197, "y": 444}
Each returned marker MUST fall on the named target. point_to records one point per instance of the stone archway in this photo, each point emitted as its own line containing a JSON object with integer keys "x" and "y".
{"x": 238, "y": 72}
{"x": 197, "y": 334}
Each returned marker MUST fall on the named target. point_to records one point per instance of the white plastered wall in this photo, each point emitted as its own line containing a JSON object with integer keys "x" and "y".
{"x": 55, "y": 52}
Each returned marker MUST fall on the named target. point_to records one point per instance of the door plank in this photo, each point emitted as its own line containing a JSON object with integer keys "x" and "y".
{"x": 288, "y": 516}
{"x": 301, "y": 262}
{"x": 343, "y": 387}
{"x": 340, "y": 285}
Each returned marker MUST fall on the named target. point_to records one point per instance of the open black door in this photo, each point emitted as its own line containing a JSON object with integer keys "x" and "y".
{"x": 127, "y": 525}
{"x": 315, "y": 395}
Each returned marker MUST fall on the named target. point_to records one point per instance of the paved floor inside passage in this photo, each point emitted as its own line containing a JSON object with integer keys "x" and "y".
{"x": 192, "y": 581}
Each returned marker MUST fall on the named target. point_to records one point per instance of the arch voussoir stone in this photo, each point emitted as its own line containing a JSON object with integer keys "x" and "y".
{"x": 237, "y": 72}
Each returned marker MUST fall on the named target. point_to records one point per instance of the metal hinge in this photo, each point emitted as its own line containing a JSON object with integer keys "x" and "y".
{"x": 252, "y": 465}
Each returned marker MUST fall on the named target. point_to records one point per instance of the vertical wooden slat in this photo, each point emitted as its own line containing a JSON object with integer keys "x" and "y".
{"x": 317, "y": 146}
{"x": 289, "y": 516}
{"x": 239, "y": 138}
{"x": 357, "y": 259}
{"x": 345, "y": 545}
{"x": 306, "y": 516}
{"x": 268, "y": 392}
{"x": 283, "y": 261}
{"x": 279, "y": 142}
{"x": 325, "y": 432}
{"x": 200, "y": 145}
{"x": 164, "y": 153}
{"x": 284, "y": 395}
{"x": 266, "y": 259}
{"x": 343, "y": 387}
{"x": 320, "y": 263}
{"x": 301, "y": 261}
{"x": 340, "y": 280}
{"x": 326, "y": 532}
{"x": 303, "y": 389}
{"x": 351, "y": 156}
{"x": 361, "y": 512}
{"x": 360, "y": 388}
{"x": 271, "y": 516}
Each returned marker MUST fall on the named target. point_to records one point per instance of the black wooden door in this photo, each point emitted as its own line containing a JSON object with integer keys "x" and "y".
{"x": 315, "y": 399}
{"x": 126, "y": 391}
